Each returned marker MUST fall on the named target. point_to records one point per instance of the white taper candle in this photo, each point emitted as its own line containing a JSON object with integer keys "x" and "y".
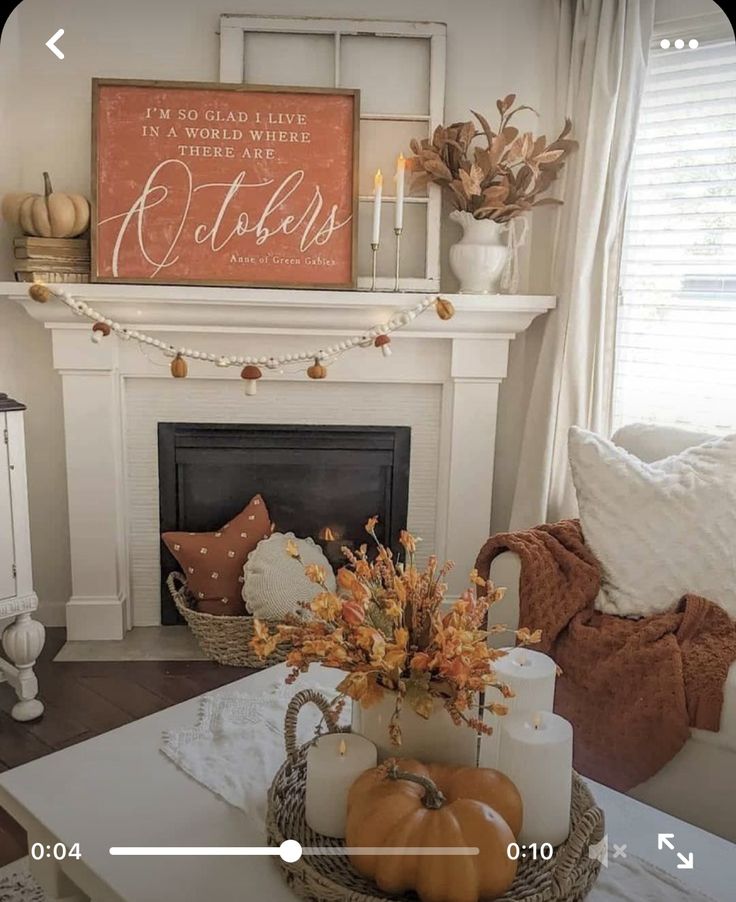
{"x": 377, "y": 197}
{"x": 400, "y": 176}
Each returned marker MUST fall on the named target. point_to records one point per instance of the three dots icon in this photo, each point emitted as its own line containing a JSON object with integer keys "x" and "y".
{"x": 678, "y": 44}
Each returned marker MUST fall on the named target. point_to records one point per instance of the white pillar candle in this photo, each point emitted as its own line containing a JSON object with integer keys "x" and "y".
{"x": 536, "y": 755}
{"x": 377, "y": 196}
{"x": 400, "y": 175}
{"x": 531, "y": 676}
{"x": 334, "y": 762}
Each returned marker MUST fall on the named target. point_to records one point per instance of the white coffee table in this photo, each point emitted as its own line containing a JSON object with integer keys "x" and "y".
{"x": 119, "y": 790}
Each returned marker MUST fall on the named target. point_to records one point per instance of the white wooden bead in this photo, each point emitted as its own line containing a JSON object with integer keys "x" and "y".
{"x": 399, "y": 319}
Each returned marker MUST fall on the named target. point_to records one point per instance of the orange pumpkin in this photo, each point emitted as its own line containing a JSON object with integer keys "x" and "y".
{"x": 429, "y": 806}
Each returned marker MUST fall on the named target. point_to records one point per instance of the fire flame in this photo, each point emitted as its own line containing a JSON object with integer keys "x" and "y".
{"x": 342, "y": 748}
{"x": 327, "y": 535}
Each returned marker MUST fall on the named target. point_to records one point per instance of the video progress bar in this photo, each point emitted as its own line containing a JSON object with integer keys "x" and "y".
{"x": 291, "y": 850}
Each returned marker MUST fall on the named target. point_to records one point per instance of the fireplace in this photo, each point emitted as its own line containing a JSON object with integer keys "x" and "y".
{"x": 319, "y": 481}
{"x": 443, "y": 383}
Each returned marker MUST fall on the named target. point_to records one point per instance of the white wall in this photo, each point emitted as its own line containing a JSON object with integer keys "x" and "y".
{"x": 494, "y": 47}
{"x": 26, "y": 374}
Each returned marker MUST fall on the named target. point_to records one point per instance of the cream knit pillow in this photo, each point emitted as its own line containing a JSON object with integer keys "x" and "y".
{"x": 274, "y": 582}
{"x": 659, "y": 530}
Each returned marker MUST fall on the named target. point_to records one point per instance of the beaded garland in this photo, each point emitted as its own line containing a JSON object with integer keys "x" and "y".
{"x": 377, "y": 337}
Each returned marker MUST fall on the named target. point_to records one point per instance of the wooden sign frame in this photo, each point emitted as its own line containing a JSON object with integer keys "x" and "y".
{"x": 351, "y": 228}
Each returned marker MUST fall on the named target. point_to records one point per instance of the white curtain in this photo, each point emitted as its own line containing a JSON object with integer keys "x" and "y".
{"x": 601, "y": 64}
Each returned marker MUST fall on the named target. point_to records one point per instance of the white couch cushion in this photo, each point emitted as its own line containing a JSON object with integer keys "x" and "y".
{"x": 650, "y": 442}
{"x": 726, "y": 736}
{"x": 661, "y": 529}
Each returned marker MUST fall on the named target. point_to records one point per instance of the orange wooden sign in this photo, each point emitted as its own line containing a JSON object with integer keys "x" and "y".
{"x": 218, "y": 184}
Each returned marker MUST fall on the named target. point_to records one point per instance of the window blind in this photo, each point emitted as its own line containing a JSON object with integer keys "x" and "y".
{"x": 675, "y": 357}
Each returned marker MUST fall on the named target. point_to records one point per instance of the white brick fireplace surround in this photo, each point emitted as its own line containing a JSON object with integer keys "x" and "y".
{"x": 442, "y": 380}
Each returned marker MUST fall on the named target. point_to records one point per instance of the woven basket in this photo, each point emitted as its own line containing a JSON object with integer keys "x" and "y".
{"x": 223, "y": 639}
{"x": 568, "y": 876}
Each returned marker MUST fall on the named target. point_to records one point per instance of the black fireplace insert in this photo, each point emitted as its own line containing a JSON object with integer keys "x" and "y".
{"x": 319, "y": 481}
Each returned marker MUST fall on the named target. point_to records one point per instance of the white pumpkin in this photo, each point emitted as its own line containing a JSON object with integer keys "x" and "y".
{"x": 52, "y": 214}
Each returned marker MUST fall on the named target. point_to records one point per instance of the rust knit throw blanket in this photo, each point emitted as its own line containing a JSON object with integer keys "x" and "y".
{"x": 631, "y": 688}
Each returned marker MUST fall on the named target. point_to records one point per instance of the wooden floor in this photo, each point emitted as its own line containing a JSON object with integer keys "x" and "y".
{"x": 85, "y": 699}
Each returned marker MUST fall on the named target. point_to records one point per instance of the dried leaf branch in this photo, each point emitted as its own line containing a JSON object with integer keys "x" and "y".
{"x": 498, "y": 180}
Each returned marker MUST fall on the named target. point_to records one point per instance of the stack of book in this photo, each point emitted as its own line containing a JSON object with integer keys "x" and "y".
{"x": 51, "y": 259}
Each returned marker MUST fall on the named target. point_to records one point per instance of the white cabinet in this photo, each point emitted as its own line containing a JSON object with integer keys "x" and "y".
{"x": 22, "y": 637}
{"x": 7, "y": 550}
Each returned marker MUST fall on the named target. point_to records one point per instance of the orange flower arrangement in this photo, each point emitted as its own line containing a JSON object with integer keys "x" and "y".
{"x": 385, "y": 628}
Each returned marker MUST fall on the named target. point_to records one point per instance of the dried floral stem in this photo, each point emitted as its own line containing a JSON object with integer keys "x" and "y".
{"x": 384, "y": 627}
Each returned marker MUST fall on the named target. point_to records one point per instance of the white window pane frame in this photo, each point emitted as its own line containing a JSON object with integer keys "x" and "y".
{"x": 676, "y": 337}
{"x": 234, "y": 30}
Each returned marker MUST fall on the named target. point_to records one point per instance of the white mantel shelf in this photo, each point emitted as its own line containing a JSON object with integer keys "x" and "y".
{"x": 464, "y": 358}
{"x": 275, "y": 310}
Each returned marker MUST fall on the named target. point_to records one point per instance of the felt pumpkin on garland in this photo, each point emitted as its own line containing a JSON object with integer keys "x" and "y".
{"x": 435, "y": 805}
{"x": 317, "y": 370}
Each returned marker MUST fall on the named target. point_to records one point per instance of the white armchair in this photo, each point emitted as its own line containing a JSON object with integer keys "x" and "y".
{"x": 699, "y": 783}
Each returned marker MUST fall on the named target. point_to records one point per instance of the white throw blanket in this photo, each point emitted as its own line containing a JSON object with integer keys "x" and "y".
{"x": 237, "y": 744}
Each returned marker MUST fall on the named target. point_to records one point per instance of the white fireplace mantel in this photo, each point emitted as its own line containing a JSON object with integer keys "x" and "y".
{"x": 208, "y": 309}
{"x": 465, "y": 358}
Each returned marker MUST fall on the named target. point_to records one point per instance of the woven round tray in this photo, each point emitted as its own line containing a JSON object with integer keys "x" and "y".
{"x": 568, "y": 876}
{"x": 222, "y": 638}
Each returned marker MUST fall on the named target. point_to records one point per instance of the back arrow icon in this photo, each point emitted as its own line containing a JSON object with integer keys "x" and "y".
{"x": 51, "y": 43}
